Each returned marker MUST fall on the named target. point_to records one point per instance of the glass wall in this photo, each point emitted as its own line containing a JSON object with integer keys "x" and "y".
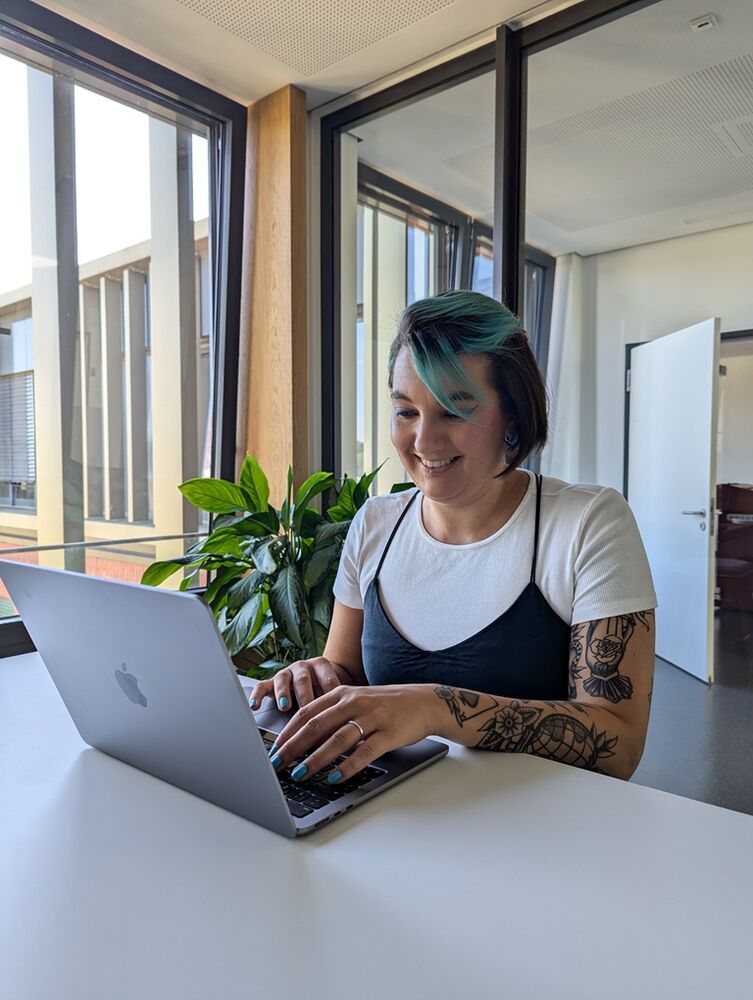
{"x": 417, "y": 213}
{"x": 419, "y": 196}
{"x": 106, "y": 332}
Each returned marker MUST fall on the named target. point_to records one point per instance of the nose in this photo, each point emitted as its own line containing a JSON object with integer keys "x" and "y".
{"x": 430, "y": 439}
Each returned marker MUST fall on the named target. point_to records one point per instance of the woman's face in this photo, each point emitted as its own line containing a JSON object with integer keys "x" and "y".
{"x": 423, "y": 432}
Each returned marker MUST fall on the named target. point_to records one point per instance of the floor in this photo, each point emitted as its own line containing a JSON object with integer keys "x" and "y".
{"x": 700, "y": 737}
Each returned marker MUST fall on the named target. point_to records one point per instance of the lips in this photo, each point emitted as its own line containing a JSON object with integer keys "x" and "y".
{"x": 438, "y": 469}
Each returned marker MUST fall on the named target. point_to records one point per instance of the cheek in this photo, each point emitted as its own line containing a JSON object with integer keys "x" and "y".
{"x": 483, "y": 437}
{"x": 397, "y": 433}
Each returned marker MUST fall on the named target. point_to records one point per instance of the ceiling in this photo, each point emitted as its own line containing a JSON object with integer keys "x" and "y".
{"x": 637, "y": 131}
{"x": 248, "y": 48}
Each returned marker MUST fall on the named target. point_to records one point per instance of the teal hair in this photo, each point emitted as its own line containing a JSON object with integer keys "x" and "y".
{"x": 437, "y": 329}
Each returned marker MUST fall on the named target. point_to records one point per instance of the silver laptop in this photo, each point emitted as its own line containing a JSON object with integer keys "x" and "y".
{"x": 146, "y": 678}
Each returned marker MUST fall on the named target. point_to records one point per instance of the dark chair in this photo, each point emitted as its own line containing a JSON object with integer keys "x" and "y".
{"x": 734, "y": 553}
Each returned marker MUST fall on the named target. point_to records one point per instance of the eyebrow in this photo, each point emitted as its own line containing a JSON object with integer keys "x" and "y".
{"x": 459, "y": 397}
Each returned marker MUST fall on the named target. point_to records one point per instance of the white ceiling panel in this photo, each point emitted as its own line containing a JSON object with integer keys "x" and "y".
{"x": 328, "y": 48}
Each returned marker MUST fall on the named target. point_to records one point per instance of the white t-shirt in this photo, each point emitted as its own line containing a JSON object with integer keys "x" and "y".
{"x": 591, "y": 563}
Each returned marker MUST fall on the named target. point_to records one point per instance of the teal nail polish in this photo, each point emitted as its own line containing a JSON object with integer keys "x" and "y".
{"x": 276, "y": 761}
{"x": 272, "y": 750}
{"x": 299, "y": 772}
{"x": 252, "y": 703}
{"x": 283, "y": 702}
{"x": 335, "y": 776}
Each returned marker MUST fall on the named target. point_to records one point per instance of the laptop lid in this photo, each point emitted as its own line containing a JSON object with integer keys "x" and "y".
{"x": 146, "y": 678}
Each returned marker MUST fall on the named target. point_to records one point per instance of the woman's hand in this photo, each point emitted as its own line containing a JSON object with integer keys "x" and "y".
{"x": 306, "y": 679}
{"x": 390, "y": 715}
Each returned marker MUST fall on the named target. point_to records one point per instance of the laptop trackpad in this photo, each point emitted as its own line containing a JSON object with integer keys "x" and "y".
{"x": 273, "y": 719}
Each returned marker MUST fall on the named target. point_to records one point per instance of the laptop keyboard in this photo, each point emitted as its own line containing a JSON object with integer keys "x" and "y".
{"x": 304, "y": 798}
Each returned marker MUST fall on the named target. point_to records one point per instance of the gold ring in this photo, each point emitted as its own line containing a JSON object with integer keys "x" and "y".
{"x": 352, "y": 722}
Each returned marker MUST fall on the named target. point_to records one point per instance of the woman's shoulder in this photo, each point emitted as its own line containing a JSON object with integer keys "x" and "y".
{"x": 580, "y": 501}
{"x": 373, "y": 521}
{"x": 385, "y": 508}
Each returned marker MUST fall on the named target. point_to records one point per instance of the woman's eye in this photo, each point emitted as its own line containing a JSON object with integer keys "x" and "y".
{"x": 411, "y": 413}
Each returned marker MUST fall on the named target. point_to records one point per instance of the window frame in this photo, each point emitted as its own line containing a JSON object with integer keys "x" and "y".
{"x": 63, "y": 42}
{"x": 506, "y": 56}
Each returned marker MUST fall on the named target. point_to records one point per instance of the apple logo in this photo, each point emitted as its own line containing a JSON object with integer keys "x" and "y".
{"x": 129, "y": 685}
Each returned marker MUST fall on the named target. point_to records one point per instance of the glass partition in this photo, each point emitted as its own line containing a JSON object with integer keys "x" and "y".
{"x": 106, "y": 321}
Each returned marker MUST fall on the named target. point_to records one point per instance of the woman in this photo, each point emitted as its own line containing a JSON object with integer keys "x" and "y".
{"x": 488, "y": 606}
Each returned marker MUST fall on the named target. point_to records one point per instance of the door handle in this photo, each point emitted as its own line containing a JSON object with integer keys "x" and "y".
{"x": 697, "y": 513}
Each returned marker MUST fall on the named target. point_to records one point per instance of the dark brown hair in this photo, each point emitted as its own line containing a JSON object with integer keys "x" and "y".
{"x": 438, "y": 329}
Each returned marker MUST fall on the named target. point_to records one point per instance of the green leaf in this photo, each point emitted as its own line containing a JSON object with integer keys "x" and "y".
{"x": 224, "y": 579}
{"x": 243, "y": 590}
{"x": 226, "y": 520}
{"x": 216, "y": 495}
{"x": 310, "y": 522}
{"x": 272, "y": 665}
{"x": 286, "y": 600}
{"x": 311, "y": 487}
{"x": 255, "y": 483}
{"x": 223, "y": 542}
{"x": 322, "y": 607}
{"x": 318, "y": 566}
{"x": 329, "y": 530}
{"x": 320, "y": 637}
{"x": 361, "y": 490}
{"x": 263, "y": 558}
{"x": 237, "y": 633}
{"x": 155, "y": 574}
{"x": 186, "y": 582}
{"x": 399, "y": 487}
{"x": 267, "y": 520}
{"x": 264, "y": 632}
{"x": 344, "y": 508}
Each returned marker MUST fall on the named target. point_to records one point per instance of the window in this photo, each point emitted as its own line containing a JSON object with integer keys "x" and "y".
{"x": 408, "y": 246}
{"x": 118, "y": 305}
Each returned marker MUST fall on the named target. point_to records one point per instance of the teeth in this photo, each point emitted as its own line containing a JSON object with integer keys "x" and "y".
{"x": 437, "y": 465}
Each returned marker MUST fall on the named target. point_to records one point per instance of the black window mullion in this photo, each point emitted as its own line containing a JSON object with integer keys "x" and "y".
{"x": 64, "y": 46}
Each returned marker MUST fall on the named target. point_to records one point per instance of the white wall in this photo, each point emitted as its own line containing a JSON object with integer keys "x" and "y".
{"x": 642, "y": 293}
{"x": 736, "y": 421}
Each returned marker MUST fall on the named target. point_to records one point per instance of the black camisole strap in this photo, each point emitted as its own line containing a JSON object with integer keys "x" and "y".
{"x": 392, "y": 534}
{"x": 536, "y": 532}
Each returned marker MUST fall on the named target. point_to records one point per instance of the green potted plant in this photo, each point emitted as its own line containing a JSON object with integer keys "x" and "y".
{"x": 273, "y": 570}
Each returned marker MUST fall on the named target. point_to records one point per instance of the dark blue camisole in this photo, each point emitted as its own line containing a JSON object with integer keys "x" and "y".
{"x": 521, "y": 654}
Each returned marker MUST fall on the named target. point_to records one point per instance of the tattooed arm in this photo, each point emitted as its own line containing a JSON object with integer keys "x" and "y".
{"x": 602, "y": 725}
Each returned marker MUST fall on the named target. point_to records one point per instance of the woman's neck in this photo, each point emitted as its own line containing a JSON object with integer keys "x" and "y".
{"x": 460, "y": 522}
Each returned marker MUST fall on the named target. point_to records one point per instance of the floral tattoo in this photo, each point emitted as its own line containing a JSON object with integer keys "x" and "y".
{"x": 602, "y": 644}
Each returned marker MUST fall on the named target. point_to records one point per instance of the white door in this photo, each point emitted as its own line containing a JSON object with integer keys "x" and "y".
{"x": 672, "y": 485}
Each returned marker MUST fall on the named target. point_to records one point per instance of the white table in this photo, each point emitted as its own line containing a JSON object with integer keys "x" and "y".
{"x": 485, "y": 876}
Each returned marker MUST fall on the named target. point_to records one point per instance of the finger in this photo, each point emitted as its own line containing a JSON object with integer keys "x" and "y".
{"x": 342, "y": 742}
{"x": 310, "y": 725}
{"x": 262, "y": 690}
{"x": 363, "y": 755}
{"x": 304, "y": 689}
{"x": 326, "y": 677}
{"x": 283, "y": 696}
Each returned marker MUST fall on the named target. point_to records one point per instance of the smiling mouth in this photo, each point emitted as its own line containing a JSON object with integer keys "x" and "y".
{"x": 439, "y": 465}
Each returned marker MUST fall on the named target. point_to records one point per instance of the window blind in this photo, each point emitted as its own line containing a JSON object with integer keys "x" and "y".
{"x": 17, "y": 440}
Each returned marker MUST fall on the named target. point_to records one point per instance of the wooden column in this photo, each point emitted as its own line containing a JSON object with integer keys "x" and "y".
{"x": 273, "y": 397}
